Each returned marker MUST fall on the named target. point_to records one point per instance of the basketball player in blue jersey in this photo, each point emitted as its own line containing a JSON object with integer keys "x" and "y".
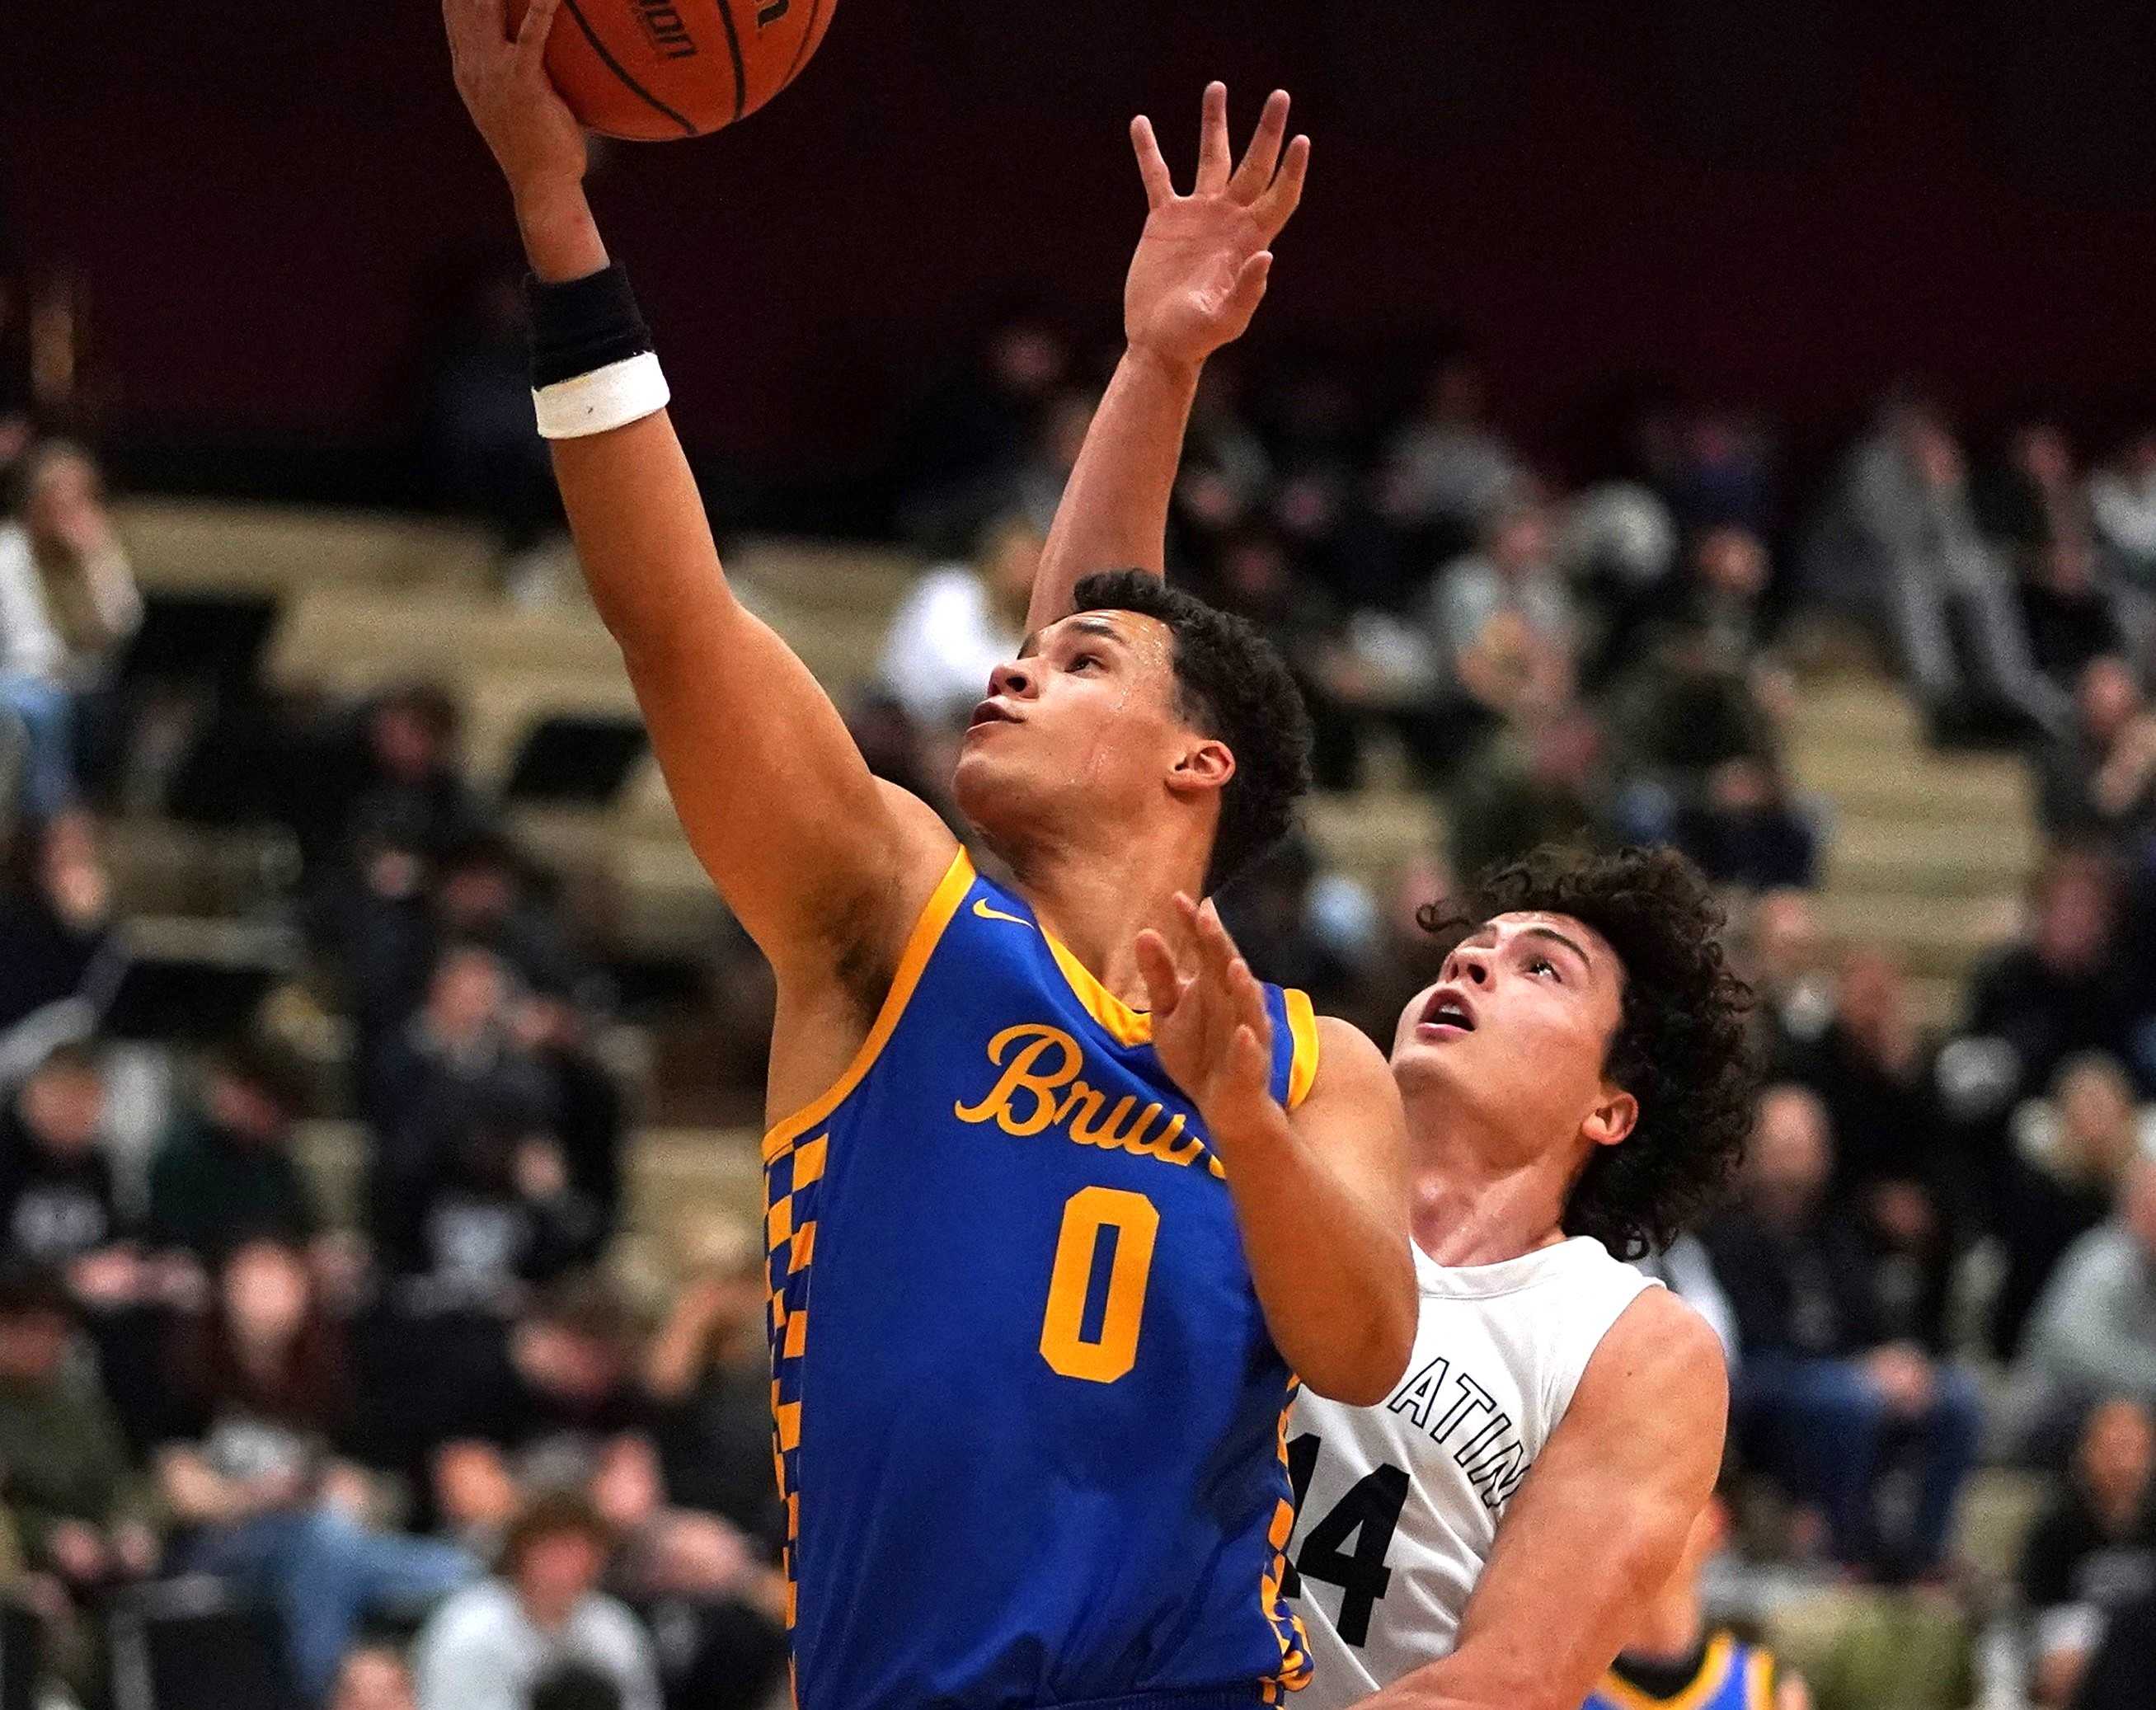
{"x": 1576, "y": 1087}
{"x": 1045, "y": 1263}
{"x": 1673, "y": 1661}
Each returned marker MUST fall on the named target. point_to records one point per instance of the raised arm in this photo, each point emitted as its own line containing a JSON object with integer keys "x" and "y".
{"x": 1321, "y": 1190}
{"x": 820, "y": 862}
{"x": 1596, "y": 1526}
{"x": 1197, "y": 279}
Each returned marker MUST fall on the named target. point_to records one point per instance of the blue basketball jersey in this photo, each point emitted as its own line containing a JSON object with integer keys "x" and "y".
{"x": 1733, "y": 1675}
{"x": 1029, "y": 1423}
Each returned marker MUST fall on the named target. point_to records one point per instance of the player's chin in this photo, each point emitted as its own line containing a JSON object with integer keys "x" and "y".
{"x": 986, "y": 786}
{"x": 1423, "y": 1058}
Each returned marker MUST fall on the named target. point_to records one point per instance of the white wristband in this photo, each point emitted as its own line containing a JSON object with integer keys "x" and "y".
{"x": 608, "y": 398}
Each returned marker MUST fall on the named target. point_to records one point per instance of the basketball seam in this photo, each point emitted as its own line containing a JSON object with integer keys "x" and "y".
{"x": 801, "y": 47}
{"x": 615, "y": 66}
{"x": 733, "y": 46}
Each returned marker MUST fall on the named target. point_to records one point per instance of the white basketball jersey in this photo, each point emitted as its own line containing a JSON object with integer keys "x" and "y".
{"x": 1398, "y": 1505}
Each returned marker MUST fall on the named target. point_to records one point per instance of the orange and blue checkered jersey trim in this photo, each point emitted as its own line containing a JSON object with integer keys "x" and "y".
{"x": 1028, "y": 1418}
{"x": 1732, "y": 1676}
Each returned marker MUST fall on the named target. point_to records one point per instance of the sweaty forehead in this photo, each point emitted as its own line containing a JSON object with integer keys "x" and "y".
{"x": 1130, "y": 629}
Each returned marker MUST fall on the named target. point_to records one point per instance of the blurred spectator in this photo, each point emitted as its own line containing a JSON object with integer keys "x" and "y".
{"x": 2100, "y": 782}
{"x": 67, "y": 600}
{"x": 1447, "y": 469}
{"x": 1254, "y": 577}
{"x": 256, "y": 1465}
{"x": 419, "y": 797}
{"x": 1900, "y": 543}
{"x": 59, "y": 1205}
{"x": 1540, "y": 782}
{"x": 55, "y": 916}
{"x": 2062, "y": 989}
{"x": 2093, "y": 1332}
{"x": 1825, "y": 1402}
{"x": 711, "y": 1595}
{"x": 372, "y": 1677}
{"x": 1782, "y": 954}
{"x": 2072, "y": 1147}
{"x": 2092, "y": 1552}
{"x": 1748, "y": 830}
{"x": 485, "y": 892}
{"x": 707, "y": 1371}
{"x": 2066, "y": 610}
{"x": 583, "y": 1107}
{"x": 79, "y": 1510}
{"x": 1891, "y": 1154}
{"x": 557, "y": 1394}
{"x": 2122, "y": 502}
{"x": 1227, "y": 472}
{"x": 959, "y": 622}
{"x": 226, "y": 1175}
{"x": 1501, "y": 620}
{"x": 495, "y": 1645}
{"x": 2122, "y": 1675}
{"x": 2032, "y": 495}
{"x": 447, "y": 1094}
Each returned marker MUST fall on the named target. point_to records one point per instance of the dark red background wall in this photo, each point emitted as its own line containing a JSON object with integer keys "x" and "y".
{"x": 1791, "y": 202}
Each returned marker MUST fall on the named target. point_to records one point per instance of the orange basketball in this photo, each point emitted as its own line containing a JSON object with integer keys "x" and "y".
{"x": 652, "y": 69}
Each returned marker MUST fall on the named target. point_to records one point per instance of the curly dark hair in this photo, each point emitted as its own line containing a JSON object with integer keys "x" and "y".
{"x": 1233, "y": 686}
{"x": 1680, "y": 1047}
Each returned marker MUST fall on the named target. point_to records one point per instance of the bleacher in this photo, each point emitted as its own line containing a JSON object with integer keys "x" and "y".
{"x": 1927, "y": 853}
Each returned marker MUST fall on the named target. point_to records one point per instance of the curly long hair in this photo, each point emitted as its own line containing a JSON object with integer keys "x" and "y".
{"x": 1681, "y": 1046}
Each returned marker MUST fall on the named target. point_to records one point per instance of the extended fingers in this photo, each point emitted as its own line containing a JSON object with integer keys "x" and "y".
{"x": 1215, "y": 159}
{"x": 1250, "y": 1003}
{"x": 1164, "y": 983}
{"x": 1152, "y": 166}
{"x": 532, "y": 34}
{"x": 1216, "y": 951}
{"x": 1262, "y": 158}
{"x": 1277, "y": 205}
{"x": 476, "y": 25}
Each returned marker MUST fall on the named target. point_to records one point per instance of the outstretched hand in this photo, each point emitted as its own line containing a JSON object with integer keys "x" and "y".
{"x": 1202, "y": 265}
{"x": 501, "y": 75}
{"x": 1209, "y": 1026}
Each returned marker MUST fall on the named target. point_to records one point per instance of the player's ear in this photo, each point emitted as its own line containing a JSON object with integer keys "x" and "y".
{"x": 1613, "y": 1119}
{"x": 1205, "y": 765}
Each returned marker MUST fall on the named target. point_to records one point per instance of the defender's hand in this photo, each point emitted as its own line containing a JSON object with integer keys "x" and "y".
{"x": 1201, "y": 266}
{"x": 503, "y": 79}
{"x": 1209, "y": 1026}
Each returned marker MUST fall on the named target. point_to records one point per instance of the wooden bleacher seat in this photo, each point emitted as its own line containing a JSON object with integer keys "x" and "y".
{"x": 182, "y": 544}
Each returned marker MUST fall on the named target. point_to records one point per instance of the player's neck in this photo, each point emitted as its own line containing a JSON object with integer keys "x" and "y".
{"x": 1671, "y": 1628}
{"x": 1467, "y": 1212}
{"x": 1095, "y": 901}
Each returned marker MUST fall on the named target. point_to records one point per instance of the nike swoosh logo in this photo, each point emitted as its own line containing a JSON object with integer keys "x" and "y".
{"x": 986, "y": 913}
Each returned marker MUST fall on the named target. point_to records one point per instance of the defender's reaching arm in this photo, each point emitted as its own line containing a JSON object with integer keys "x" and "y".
{"x": 1596, "y": 1526}
{"x": 824, "y": 866}
{"x": 1197, "y": 279}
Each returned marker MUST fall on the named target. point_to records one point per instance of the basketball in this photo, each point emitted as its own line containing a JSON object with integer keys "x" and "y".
{"x": 650, "y": 70}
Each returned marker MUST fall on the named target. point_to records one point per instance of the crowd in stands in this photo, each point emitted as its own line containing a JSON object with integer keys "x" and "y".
{"x": 433, "y": 1429}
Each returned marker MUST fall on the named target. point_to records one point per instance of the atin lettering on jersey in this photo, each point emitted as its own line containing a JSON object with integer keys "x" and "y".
{"x": 1040, "y": 1091}
{"x": 1456, "y": 1412}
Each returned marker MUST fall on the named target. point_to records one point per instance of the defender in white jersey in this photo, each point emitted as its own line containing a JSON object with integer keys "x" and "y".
{"x": 1575, "y": 1089}
{"x": 1576, "y": 1082}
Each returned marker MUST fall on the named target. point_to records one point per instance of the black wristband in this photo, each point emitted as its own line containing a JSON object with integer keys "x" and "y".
{"x": 581, "y": 325}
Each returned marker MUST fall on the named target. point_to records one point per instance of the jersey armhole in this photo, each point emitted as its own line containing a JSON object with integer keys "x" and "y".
{"x": 920, "y": 945}
{"x": 1302, "y": 1032}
